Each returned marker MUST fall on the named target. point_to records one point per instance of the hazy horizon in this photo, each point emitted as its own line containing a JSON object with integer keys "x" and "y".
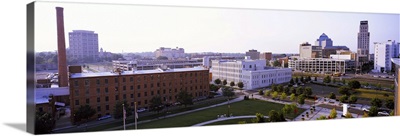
{"x": 134, "y": 28}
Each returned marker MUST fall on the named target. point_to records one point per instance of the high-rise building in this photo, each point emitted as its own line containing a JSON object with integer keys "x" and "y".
{"x": 324, "y": 41}
{"x": 84, "y": 45}
{"x": 363, "y": 44}
{"x": 254, "y": 54}
{"x": 383, "y": 53}
{"x": 308, "y": 51}
{"x": 266, "y": 55}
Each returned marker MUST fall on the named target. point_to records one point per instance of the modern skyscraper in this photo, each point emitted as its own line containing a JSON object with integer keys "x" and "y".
{"x": 62, "y": 59}
{"x": 254, "y": 54}
{"x": 324, "y": 41}
{"x": 384, "y": 52}
{"x": 363, "y": 43}
{"x": 84, "y": 45}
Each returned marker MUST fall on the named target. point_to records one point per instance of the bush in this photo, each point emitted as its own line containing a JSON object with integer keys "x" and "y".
{"x": 246, "y": 97}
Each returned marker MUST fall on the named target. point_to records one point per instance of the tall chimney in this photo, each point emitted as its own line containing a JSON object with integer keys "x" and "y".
{"x": 62, "y": 62}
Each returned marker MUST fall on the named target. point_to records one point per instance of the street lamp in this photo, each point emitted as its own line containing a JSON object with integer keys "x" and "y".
{"x": 229, "y": 106}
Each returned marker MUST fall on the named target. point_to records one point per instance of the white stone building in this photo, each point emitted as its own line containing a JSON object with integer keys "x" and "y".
{"x": 253, "y": 73}
{"x": 383, "y": 53}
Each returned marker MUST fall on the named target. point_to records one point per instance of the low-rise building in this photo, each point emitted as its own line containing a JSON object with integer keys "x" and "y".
{"x": 321, "y": 65}
{"x": 252, "y": 73}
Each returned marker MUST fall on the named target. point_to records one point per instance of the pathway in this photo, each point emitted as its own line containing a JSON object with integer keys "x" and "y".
{"x": 225, "y": 118}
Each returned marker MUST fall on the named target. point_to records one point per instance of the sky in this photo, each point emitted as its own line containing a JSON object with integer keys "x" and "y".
{"x": 138, "y": 28}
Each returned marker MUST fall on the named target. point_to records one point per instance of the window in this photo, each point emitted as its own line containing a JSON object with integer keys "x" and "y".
{"x": 106, "y": 89}
{"x": 145, "y": 85}
{"x": 116, "y": 80}
{"x": 98, "y": 99}
{"x": 131, "y": 95}
{"x": 107, "y": 107}
{"x": 76, "y": 83}
{"x": 138, "y": 95}
{"x": 131, "y": 87}
{"x": 106, "y": 98}
{"x": 116, "y": 88}
{"x": 98, "y": 108}
{"x": 131, "y": 79}
{"x": 98, "y": 81}
{"x": 145, "y": 93}
{"x": 87, "y": 90}
{"x": 87, "y": 82}
{"x": 138, "y": 87}
{"x": 124, "y": 96}
{"x": 76, "y": 102}
{"x": 106, "y": 81}
{"x": 152, "y": 93}
{"x": 76, "y": 92}
{"x": 164, "y": 91}
{"x": 124, "y": 88}
{"x": 123, "y": 79}
{"x": 98, "y": 90}
{"x": 116, "y": 97}
{"x": 87, "y": 101}
{"x": 145, "y": 101}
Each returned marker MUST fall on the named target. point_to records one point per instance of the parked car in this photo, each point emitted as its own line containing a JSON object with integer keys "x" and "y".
{"x": 141, "y": 110}
{"x": 104, "y": 117}
{"x": 365, "y": 109}
{"x": 383, "y": 113}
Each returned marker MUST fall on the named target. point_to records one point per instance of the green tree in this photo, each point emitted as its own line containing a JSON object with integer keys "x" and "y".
{"x": 275, "y": 95}
{"x": 379, "y": 86}
{"x": 373, "y": 111}
{"x": 389, "y": 104}
{"x": 333, "y": 113}
{"x": 260, "y": 92}
{"x": 343, "y": 98}
{"x": 156, "y": 104}
{"x": 84, "y": 112}
{"x": 296, "y": 80}
{"x": 308, "y": 91}
{"x": 299, "y": 90}
{"x": 228, "y": 92}
{"x": 274, "y": 116}
{"x": 287, "y": 109}
{"x": 343, "y": 81}
{"x": 392, "y": 87}
{"x": 332, "y": 95}
{"x": 259, "y": 118}
{"x": 301, "y": 99}
{"x": 276, "y": 63}
{"x": 280, "y": 88}
{"x": 327, "y": 79}
{"x": 315, "y": 78}
{"x": 308, "y": 78}
{"x": 353, "y": 99}
{"x": 185, "y": 98}
{"x": 283, "y": 96}
{"x": 44, "y": 123}
{"x": 118, "y": 110}
{"x": 286, "y": 90}
{"x": 267, "y": 93}
{"x": 344, "y": 90}
{"x": 293, "y": 97}
{"x": 391, "y": 113}
{"x": 354, "y": 84}
{"x": 334, "y": 80}
{"x": 291, "y": 81}
{"x": 217, "y": 81}
{"x": 240, "y": 85}
{"x": 232, "y": 84}
{"x": 292, "y": 90}
{"x": 322, "y": 117}
{"x": 214, "y": 87}
{"x": 224, "y": 82}
{"x": 302, "y": 79}
{"x": 348, "y": 115}
{"x": 242, "y": 122}
{"x": 376, "y": 102}
{"x": 274, "y": 87}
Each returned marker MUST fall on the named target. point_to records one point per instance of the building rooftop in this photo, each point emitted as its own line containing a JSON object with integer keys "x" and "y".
{"x": 80, "y": 75}
{"x": 42, "y": 94}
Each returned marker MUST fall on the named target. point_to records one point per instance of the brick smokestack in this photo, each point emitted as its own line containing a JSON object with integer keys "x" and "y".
{"x": 62, "y": 58}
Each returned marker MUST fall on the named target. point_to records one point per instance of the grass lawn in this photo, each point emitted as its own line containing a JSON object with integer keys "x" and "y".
{"x": 231, "y": 122}
{"x": 322, "y": 90}
{"x": 369, "y": 94}
{"x": 246, "y": 107}
{"x": 153, "y": 115}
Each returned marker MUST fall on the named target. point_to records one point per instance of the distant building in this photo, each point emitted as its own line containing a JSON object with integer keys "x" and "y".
{"x": 383, "y": 53}
{"x": 396, "y": 62}
{"x": 266, "y": 55}
{"x": 363, "y": 43}
{"x": 170, "y": 53}
{"x": 321, "y": 65}
{"x": 327, "y": 51}
{"x": 324, "y": 41}
{"x": 372, "y": 57}
{"x": 84, "y": 45}
{"x": 134, "y": 65}
{"x": 253, "y": 73}
{"x": 306, "y": 50}
{"x": 254, "y": 54}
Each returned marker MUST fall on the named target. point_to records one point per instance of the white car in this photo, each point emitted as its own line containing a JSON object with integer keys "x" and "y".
{"x": 383, "y": 113}
{"x": 104, "y": 117}
{"x": 365, "y": 109}
{"x": 141, "y": 110}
